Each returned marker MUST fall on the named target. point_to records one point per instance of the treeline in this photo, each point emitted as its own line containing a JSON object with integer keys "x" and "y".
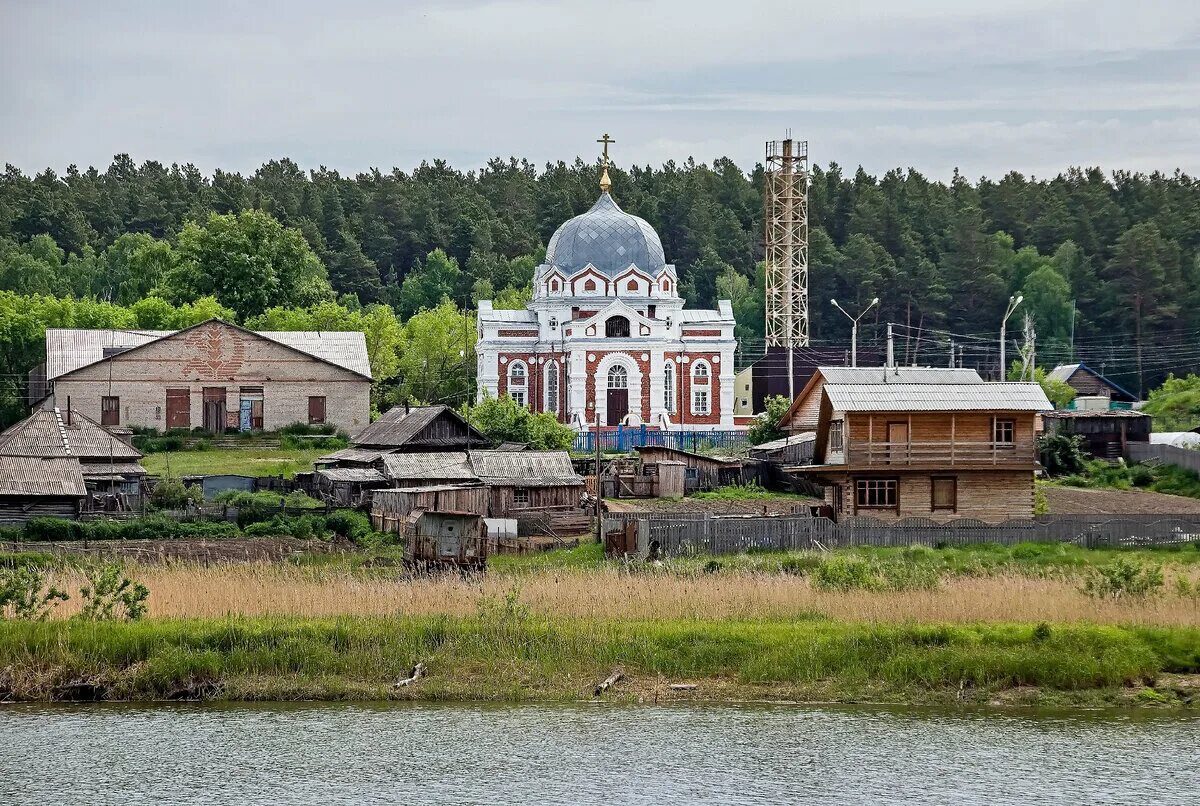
{"x": 1119, "y": 250}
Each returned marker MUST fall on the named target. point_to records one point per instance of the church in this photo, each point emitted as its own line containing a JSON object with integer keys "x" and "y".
{"x": 606, "y": 339}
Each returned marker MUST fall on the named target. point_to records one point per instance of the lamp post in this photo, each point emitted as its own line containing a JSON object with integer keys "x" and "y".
{"x": 854, "y": 327}
{"x": 1013, "y": 302}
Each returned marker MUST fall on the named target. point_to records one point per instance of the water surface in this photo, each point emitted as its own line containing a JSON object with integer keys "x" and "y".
{"x": 443, "y": 754}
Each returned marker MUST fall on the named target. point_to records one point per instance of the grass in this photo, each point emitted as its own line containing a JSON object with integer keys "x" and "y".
{"x": 246, "y": 462}
{"x": 746, "y": 492}
{"x": 1164, "y": 478}
{"x": 506, "y": 653}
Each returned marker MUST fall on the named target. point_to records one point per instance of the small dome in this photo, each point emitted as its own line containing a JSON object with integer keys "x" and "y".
{"x": 608, "y": 238}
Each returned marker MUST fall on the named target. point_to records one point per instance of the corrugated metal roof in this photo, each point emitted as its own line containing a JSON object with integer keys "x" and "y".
{"x": 937, "y": 397}
{"x": 362, "y": 475}
{"x": 691, "y": 317}
{"x": 440, "y": 466}
{"x": 881, "y": 375}
{"x": 45, "y": 433}
{"x": 525, "y": 468}
{"x": 1084, "y": 414}
{"x": 523, "y": 315}
{"x": 1062, "y": 372}
{"x": 795, "y": 439}
{"x": 37, "y": 476}
{"x": 95, "y": 469}
{"x": 399, "y": 425}
{"x": 68, "y": 349}
{"x": 363, "y": 455}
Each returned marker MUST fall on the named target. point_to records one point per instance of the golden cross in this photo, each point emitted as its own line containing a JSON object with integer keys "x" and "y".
{"x": 606, "y": 140}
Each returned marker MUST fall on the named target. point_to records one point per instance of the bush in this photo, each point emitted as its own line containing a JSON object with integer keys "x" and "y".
{"x": 1061, "y": 454}
{"x": 348, "y": 523}
{"x": 109, "y": 595}
{"x": 263, "y": 506}
{"x": 845, "y": 573}
{"x": 24, "y": 594}
{"x": 52, "y": 530}
{"x": 1141, "y": 476}
{"x": 170, "y": 494}
{"x": 1123, "y": 578}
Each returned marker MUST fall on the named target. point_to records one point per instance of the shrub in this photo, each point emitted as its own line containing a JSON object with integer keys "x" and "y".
{"x": 109, "y": 595}
{"x": 170, "y": 494}
{"x": 24, "y": 594}
{"x": 845, "y": 573}
{"x": 799, "y": 565}
{"x": 349, "y": 524}
{"x": 1123, "y": 578}
{"x": 52, "y": 530}
{"x": 1061, "y": 454}
{"x": 1141, "y": 476}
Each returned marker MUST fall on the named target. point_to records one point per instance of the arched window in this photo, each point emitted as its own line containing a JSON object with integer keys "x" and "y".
{"x": 669, "y": 386}
{"x": 618, "y": 377}
{"x": 518, "y": 382}
{"x": 552, "y": 387}
{"x": 632, "y": 287}
{"x": 701, "y": 391}
{"x": 616, "y": 327}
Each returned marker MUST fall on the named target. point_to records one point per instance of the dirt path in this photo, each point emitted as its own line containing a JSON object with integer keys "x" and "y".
{"x": 1082, "y": 501}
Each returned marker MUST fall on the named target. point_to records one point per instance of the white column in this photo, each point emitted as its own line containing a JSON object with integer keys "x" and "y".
{"x": 577, "y": 390}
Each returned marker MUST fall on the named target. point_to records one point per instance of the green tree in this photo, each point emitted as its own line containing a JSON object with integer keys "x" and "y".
{"x": 1048, "y": 299}
{"x": 766, "y": 426}
{"x": 132, "y": 267}
{"x": 249, "y": 262}
{"x": 1175, "y": 406}
{"x": 435, "y": 279}
{"x": 503, "y": 420}
{"x": 436, "y": 349}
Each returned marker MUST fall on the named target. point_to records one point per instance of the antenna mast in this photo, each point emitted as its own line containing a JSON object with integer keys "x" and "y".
{"x": 786, "y": 253}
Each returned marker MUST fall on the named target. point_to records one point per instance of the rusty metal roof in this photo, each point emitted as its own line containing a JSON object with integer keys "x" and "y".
{"x": 37, "y": 476}
{"x": 525, "y": 468}
{"x": 68, "y": 349}
{"x": 46, "y": 433}
{"x": 400, "y": 426}
{"x": 980, "y": 396}
{"x": 439, "y": 466}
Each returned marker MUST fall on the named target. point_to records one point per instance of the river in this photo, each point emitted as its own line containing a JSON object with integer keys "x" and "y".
{"x": 498, "y": 754}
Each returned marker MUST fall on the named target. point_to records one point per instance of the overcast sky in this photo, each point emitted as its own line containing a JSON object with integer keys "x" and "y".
{"x": 1030, "y": 85}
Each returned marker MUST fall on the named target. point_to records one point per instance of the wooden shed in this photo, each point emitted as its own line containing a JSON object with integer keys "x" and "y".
{"x": 1105, "y": 432}
{"x": 445, "y": 539}
{"x": 347, "y": 486}
{"x": 700, "y": 472}
{"x": 389, "y": 507}
{"x": 34, "y": 486}
{"x": 527, "y": 480}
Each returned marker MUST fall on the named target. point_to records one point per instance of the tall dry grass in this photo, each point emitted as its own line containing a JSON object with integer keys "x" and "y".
{"x": 273, "y": 590}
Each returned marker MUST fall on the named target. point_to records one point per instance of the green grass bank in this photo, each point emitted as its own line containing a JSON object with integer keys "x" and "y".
{"x": 507, "y": 654}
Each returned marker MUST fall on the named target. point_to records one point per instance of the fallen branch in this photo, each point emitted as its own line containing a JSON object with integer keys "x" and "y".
{"x": 610, "y": 681}
{"x": 418, "y": 672}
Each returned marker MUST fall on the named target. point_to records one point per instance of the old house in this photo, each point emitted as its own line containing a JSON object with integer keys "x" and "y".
{"x": 543, "y": 481}
{"x": 1106, "y": 432}
{"x": 114, "y": 479}
{"x": 895, "y": 442}
{"x": 441, "y": 524}
{"x": 37, "y": 486}
{"x": 214, "y": 375}
{"x": 701, "y": 472}
{"x": 421, "y": 469}
{"x": 1087, "y": 382}
{"x": 411, "y": 429}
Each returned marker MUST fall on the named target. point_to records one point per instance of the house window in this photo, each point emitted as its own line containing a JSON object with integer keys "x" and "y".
{"x": 521, "y": 496}
{"x": 836, "y": 444}
{"x": 669, "y": 386}
{"x": 554, "y": 285}
{"x": 552, "y": 387}
{"x": 875, "y": 494}
{"x": 701, "y": 399}
{"x": 518, "y": 381}
{"x": 110, "y": 410}
{"x": 316, "y": 410}
{"x": 616, "y": 327}
{"x": 1005, "y": 432}
{"x": 618, "y": 377}
{"x": 944, "y": 493}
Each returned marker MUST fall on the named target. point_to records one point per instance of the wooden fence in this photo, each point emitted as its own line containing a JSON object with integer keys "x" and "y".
{"x": 681, "y": 536}
{"x": 1168, "y": 454}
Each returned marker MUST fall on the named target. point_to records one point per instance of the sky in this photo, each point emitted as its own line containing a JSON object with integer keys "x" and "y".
{"x": 1029, "y": 85}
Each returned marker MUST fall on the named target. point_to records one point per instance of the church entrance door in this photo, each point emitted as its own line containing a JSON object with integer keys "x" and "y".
{"x": 618, "y": 395}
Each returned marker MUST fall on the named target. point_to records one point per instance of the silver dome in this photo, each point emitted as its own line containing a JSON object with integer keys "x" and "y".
{"x": 608, "y": 238}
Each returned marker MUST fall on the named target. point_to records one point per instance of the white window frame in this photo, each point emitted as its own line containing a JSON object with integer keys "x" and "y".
{"x": 552, "y": 387}
{"x": 701, "y": 404}
{"x": 669, "y": 386}
{"x": 518, "y": 391}
{"x": 701, "y": 388}
{"x": 618, "y": 371}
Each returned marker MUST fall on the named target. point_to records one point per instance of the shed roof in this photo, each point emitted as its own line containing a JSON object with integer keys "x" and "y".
{"x": 364, "y": 455}
{"x": 442, "y": 465}
{"x": 525, "y": 468}
{"x": 723, "y": 460}
{"x": 883, "y": 375}
{"x": 400, "y": 425}
{"x": 357, "y": 475}
{"x": 794, "y": 439}
{"x": 69, "y": 349}
{"x": 1005, "y": 396}
{"x": 1063, "y": 372}
{"x": 101, "y": 469}
{"x": 46, "y": 433}
{"x": 1087, "y": 414}
{"x": 40, "y": 476}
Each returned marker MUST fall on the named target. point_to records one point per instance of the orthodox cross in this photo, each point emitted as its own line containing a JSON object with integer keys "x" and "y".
{"x": 605, "y": 182}
{"x": 606, "y": 140}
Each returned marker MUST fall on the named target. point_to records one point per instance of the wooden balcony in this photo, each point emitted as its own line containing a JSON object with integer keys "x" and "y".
{"x": 942, "y": 453}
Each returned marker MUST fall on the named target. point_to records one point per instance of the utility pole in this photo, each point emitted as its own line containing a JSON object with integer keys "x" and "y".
{"x": 854, "y": 328}
{"x": 599, "y": 485}
{"x": 891, "y": 353}
{"x": 1013, "y": 302}
{"x": 951, "y": 353}
{"x": 1072, "y": 331}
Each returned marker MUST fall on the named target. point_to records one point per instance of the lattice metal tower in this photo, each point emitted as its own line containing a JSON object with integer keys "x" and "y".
{"x": 786, "y": 253}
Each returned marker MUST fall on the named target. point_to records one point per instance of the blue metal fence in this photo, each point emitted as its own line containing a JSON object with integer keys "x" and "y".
{"x": 626, "y": 439}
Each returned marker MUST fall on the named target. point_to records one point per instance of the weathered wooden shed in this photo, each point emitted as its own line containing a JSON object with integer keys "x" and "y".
{"x": 1105, "y": 432}
{"x": 347, "y": 486}
{"x": 420, "y": 429}
{"x": 424, "y": 469}
{"x": 527, "y": 480}
{"x": 442, "y": 525}
{"x": 390, "y": 506}
{"x": 700, "y": 472}
{"x": 35, "y": 486}
{"x": 794, "y": 449}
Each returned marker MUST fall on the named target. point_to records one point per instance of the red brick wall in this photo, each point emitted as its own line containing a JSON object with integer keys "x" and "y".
{"x": 535, "y": 381}
{"x": 701, "y": 333}
{"x": 683, "y": 391}
{"x": 522, "y": 333}
{"x": 643, "y": 367}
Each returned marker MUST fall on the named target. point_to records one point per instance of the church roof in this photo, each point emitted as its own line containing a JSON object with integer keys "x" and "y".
{"x": 607, "y": 238}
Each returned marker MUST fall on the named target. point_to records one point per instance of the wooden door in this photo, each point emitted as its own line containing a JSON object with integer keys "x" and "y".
{"x": 618, "y": 405}
{"x": 897, "y": 442}
{"x": 179, "y": 408}
{"x": 214, "y": 409}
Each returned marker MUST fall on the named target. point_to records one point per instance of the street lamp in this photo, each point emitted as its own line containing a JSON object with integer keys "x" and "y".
{"x": 1013, "y": 302}
{"x": 854, "y": 328}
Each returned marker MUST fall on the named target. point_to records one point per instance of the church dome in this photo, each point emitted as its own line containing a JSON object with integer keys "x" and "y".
{"x": 608, "y": 238}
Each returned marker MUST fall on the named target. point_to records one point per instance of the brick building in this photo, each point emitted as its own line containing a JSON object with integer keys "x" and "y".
{"x": 213, "y": 375}
{"x": 606, "y": 339}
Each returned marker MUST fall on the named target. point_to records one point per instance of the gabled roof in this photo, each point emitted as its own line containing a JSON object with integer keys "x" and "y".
{"x": 1063, "y": 372}
{"x": 69, "y": 349}
{"x": 352, "y": 475}
{"x": 439, "y": 466}
{"x": 525, "y": 468}
{"x": 981, "y": 396}
{"x": 880, "y": 375}
{"x": 46, "y": 433}
{"x": 37, "y": 476}
{"x": 361, "y": 455}
{"x": 401, "y": 427}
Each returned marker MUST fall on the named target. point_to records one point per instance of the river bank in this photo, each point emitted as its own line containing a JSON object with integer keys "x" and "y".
{"x": 508, "y": 654}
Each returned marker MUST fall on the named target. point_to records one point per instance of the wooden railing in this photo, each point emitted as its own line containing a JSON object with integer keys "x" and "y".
{"x": 943, "y": 452}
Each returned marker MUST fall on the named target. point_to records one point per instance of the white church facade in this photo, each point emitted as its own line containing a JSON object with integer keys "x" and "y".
{"x": 606, "y": 339}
